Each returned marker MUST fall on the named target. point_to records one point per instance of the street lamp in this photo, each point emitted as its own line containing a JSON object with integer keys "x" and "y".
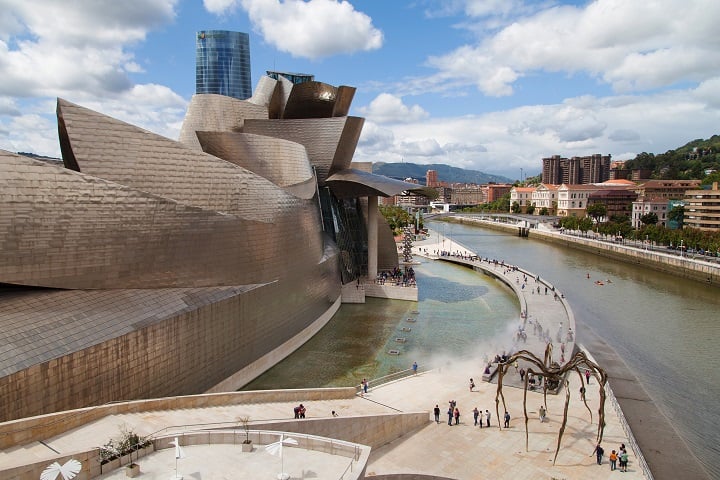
{"x": 646, "y": 242}
{"x": 681, "y": 248}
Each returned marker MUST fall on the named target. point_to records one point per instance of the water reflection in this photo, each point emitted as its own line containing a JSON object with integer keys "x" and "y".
{"x": 459, "y": 312}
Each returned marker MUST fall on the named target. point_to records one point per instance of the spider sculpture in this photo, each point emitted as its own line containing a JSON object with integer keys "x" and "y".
{"x": 554, "y": 375}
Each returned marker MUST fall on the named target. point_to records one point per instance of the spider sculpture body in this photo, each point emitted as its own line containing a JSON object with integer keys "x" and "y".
{"x": 555, "y": 375}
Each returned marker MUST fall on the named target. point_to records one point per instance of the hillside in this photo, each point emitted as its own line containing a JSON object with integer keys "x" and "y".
{"x": 691, "y": 161}
{"x": 445, "y": 173}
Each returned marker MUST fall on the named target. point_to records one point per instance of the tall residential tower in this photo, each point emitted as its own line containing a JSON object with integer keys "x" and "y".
{"x": 222, "y": 63}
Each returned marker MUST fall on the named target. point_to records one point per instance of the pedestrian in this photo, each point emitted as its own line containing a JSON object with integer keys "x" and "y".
{"x": 623, "y": 461}
{"x": 296, "y": 411}
{"x": 302, "y": 411}
{"x": 487, "y": 418}
{"x": 476, "y": 414}
{"x": 472, "y": 384}
{"x": 542, "y": 413}
{"x": 522, "y": 374}
{"x": 457, "y": 415}
{"x": 598, "y": 453}
{"x": 507, "y": 420}
{"x": 450, "y": 415}
{"x": 582, "y": 393}
{"x": 516, "y": 364}
{"x": 414, "y": 367}
{"x": 613, "y": 460}
{"x": 587, "y": 376}
{"x": 436, "y": 411}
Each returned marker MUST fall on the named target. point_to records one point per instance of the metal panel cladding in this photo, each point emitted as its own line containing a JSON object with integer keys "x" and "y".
{"x": 222, "y": 63}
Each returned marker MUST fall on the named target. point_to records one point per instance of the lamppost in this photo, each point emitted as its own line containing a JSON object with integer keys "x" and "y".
{"x": 646, "y": 242}
{"x": 681, "y": 248}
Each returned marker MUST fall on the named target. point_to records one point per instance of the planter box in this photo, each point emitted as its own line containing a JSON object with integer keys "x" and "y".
{"x": 247, "y": 447}
{"x": 132, "y": 470}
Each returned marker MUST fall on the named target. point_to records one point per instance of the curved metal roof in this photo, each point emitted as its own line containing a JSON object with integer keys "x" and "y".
{"x": 357, "y": 183}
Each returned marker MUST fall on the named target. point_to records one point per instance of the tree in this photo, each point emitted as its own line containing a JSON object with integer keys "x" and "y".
{"x": 515, "y": 207}
{"x": 596, "y": 211}
{"x": 649, "y": 218}
{"x": 531, "y": 208}
{"x": 544, "y": 211}
{"x": 677, "y": 214}
{"x": 585, "y": 224}
{"x": 396, "y": 217}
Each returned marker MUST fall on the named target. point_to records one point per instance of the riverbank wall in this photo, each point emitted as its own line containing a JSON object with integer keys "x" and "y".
{"x": 684, "y": 267}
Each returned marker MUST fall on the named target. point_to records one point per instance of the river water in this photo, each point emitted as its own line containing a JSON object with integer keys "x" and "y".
{"x": 664, "y": 328}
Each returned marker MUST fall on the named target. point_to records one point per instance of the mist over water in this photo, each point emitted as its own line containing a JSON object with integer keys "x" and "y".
{"x": 665, "y": 328}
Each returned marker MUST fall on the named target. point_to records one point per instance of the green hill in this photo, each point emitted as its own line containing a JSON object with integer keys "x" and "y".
{"x": 445, "y": 173}
{"x": 688, "y": 162}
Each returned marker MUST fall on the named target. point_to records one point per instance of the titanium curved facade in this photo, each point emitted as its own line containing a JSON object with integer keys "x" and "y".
{"x": 222, "y": 63}
{"x": 145, "y": 267}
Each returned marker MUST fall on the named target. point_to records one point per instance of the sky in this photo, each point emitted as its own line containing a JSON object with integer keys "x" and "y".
{"x": 489, "y": 85}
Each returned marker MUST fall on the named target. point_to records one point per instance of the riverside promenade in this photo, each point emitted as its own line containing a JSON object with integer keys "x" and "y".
{"x": 394, "y": 418}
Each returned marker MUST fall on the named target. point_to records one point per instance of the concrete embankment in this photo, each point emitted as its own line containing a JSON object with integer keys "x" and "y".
{"x": 684, "y": 267}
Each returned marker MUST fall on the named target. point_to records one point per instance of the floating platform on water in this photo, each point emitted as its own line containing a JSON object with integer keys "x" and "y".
{"x": 407, "y": 329}
{"x": 393, "y": 352}
{"x": 410, "y": 320}
{"x": 400, "y": 340}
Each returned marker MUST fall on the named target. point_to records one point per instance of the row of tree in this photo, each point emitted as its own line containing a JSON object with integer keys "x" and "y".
{"x": 620, "y": 226}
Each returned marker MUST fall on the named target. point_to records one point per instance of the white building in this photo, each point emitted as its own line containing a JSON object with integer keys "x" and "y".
{"x": 658, "y": 206}
{"x": 572, "y": 199}
{"x": 545, "y": 196}
{"x": 523, "y": 197}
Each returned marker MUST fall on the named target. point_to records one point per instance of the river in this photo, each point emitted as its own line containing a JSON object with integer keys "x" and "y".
{"x": 663, "y": 327}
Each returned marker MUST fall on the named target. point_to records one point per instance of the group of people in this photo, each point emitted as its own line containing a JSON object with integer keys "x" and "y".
{"x": 299, "y": 411}
{"x": 618, "y": 459}
{"x": 397, "y": 277}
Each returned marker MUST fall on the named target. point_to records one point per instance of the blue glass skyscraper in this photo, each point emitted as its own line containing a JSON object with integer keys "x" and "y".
{"x": 222, "y": 63}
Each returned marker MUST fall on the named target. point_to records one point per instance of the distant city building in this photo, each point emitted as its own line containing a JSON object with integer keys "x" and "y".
{"x": 545, "y": 196}
{"x": 618, "y": 201}
{"x": 674, "y": 224}
{"x": 522, "y": 196}
{"x": 495, "y": 191}
{"x": 658, "y": 206}
{"x": 576, "y": 170}
{"x": 702, "y": 208}
{"x": 572, "y": 200}
{"x": 467, "y": 194}
{"x": 431, "y": 178}
{"x": 222, "y": 63}
{"x": 666, "y": 189}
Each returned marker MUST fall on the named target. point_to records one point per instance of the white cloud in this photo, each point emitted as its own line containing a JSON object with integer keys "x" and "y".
{"x": 81, "y": 53}
{"x": 314, "y": 28}
{"x": 502, "y": 142}
{"x": 220, "y": 7}
{"x": 633, "y": 46}
{"x": 387, "y": 108}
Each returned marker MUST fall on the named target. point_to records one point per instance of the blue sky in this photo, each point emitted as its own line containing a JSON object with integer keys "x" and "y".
{"x": 492, "y": 85}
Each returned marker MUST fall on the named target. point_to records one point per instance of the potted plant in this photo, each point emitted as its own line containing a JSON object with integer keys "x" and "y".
{"x": 132, "y": 470}
{"x": 247, "y": 443}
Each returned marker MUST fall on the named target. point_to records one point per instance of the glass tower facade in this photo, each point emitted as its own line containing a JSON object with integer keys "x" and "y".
{"x": 222, "y": 63}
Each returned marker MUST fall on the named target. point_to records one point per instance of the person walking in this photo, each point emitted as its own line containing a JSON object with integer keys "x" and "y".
{"x": 476, "y": 414}
{"x": 623, "y": 461}
{"x": 472, "y": 384}
{"x": 613, "y": 460}
{"x": 599, "y": 452}
{"x": 587, "y": 376}
{"x": 436, "y": 411}
{"x": 487, "y": 418}
{"x": 507, "y": 420}
{"x": 457, "y": 415}
{"x": 414, "y": 367}
{"x": 541, "y": 413}
{"x": 450, "y": 415}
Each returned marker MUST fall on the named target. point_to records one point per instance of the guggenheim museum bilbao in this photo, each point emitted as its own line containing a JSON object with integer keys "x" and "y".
{"x": 145, "y": 267}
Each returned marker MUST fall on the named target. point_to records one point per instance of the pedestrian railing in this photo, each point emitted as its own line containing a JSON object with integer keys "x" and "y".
{"x": 640, "y": 459}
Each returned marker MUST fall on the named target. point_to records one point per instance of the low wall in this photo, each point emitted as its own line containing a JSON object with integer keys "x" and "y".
{"x": 23, "y": 431}
{"x": 392, "y": 292}
{"x": 692, "y": 270}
